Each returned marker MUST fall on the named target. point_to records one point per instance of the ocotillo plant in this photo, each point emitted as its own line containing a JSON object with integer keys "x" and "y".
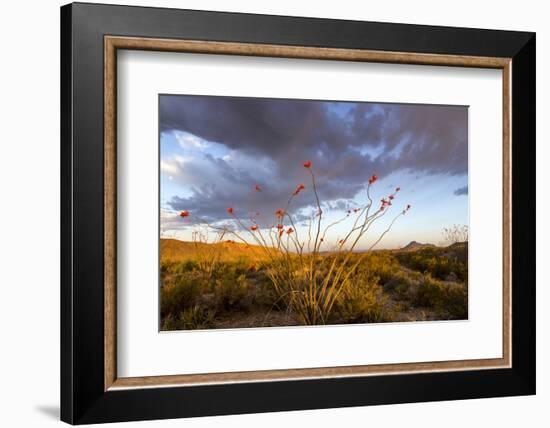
{"x": 307, "y": 279}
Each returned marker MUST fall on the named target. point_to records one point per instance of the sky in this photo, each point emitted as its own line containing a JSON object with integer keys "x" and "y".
{"x": 215, "y": 150}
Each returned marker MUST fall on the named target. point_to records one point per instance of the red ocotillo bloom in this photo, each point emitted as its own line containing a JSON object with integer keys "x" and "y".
{"x": 279, "y": 226}
{"x": 397, "y": 189}
{"x": 289, "y": 230}
{"x": 230, "y": 211}
{"x": 373, "y": 179}
{"x": 280, "y": 213}
{"x": 253, "y": 228}
{"x": 184, "y": 213}
{"x": 258, "y": 188}
{"x": 299, "y": 188}
{"x": 307, "y": 164}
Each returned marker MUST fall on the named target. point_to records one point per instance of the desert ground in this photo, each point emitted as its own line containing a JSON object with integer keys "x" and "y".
{"x": 232, "y": 285}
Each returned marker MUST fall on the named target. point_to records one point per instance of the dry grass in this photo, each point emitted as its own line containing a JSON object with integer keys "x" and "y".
{"x": 386, "y": 286}
{"x": 174, "y": 250}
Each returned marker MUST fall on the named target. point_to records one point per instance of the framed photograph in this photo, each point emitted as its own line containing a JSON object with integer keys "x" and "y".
{"x": 266, "y": 213}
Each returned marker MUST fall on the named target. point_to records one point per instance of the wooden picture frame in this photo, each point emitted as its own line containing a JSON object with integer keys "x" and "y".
{"x": 91, "y": 390}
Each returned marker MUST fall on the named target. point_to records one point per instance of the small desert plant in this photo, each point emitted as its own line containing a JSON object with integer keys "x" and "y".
{"x": 230, "y": 292}
{"x": 400, "y": 282}
{"x": 380, "y": 265}
{"x": 181, "y": 293}
{"x": 456, "y": 301}
{"x": 191, "y": 318}
{"x": 430, "y": 292}
{"x": 450, "y": 299}
{"x": 364, "y": 302}
{"x": 455, "y": 233}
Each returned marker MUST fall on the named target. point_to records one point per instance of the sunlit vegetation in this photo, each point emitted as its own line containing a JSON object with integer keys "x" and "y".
{"x": 255, "y": 274}
{"x": 236, "y": 291}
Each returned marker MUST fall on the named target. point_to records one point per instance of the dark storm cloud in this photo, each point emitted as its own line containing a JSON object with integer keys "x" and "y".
{"x": 347, "y": 142}
{"x": 233, "y": 187}
{"x": 461, "y": 191}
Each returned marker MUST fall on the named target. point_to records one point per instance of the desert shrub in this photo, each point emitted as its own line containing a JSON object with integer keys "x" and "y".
{"x": 456, "y": 302}
{"x": 242, "y": 264}
{"x": 380, "y": 267}
{"x": 399, "y": 282}
{"x": 364, "y": 302}
{"x": 438, "y": 262}
{"x": 232, "y": 269}
{"x": 180, "y": 293}
{"x": 166, "y": 267}
{"x": 264, "y": 293}
{"x": 169, "y": 322}
{"x": 195, "y": 317}
{"x": 449, "y": 299}
{"x": 186, "y": 266}
{"x": 429, "y": 293}
{"x": 231, "y": 292}
{"x": 172, "y": 267}
{"x": 402, "y": 306}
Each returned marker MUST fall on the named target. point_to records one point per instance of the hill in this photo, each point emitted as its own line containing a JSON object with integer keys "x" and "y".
{"x": 174, "y": 250}
{"x": 414, "y": 246}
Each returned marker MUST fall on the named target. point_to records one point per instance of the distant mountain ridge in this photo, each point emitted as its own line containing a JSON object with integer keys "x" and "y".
{"x": 414, "y": 245}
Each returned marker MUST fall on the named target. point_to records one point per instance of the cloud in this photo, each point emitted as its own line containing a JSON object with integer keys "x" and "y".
{"x": 461, "y": 191}
{"x": 189, "y": 140}
{"x": 265, "y": 141}
{"x": 171, "y": 221}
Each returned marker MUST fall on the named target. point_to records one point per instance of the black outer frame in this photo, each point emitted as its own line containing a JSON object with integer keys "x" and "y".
{"x": 83, "y": 399}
